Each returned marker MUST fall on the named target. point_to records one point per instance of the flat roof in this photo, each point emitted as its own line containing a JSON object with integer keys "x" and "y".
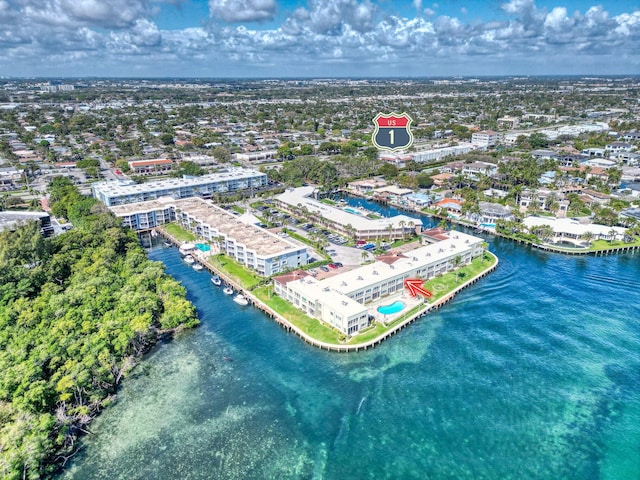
{"x": 354, "y": 280}
{"x": 115, "y": 188}
{"x": 300, "y": 197}
{"x": 262, "y": 241}
{"x": 573, "y": 227}
{"x": 11, "y": 219}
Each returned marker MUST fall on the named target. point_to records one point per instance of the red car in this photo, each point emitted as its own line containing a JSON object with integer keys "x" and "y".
{"x": 333, "y": 265}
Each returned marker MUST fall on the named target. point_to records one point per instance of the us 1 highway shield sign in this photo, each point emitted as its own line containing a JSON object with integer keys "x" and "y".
{"x": 392, "y": 131}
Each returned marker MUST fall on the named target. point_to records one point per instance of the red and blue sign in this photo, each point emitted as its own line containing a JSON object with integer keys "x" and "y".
{"x": 392, "y": 131}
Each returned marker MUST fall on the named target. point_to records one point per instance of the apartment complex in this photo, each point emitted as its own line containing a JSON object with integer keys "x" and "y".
{"x": 232, "y": 179}
{"x": 486, "y": 138}
{"x": 347, "y": 221}
{"x": 344, "y": 300}
{"x": 253, "y": 247}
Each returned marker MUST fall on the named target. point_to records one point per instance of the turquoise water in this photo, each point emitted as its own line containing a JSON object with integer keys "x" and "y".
{"x": 531, "y": 373}
{"x": 492, "y": 225}
{"x": 392, "y": 308}
{"x": 203, "y": 247}
{"x": 351, "y": 210}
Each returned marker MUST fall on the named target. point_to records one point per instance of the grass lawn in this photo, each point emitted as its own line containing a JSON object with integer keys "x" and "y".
{"x": 310, "y": 326}
{"x": 238, "y": 209}
{"x": 598, "y": 245}
{"x": 247, "y": 278}
{"x": 328, "y": 201}
{"x": 180, "y": 233}
{"x": 441, "y": 286}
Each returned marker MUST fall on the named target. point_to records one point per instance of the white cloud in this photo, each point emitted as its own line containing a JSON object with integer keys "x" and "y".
{"x": 556, "y": 18}
{"x": 242, "y": 10}
{"x": 354, "y": 35}
{"x": 330, "y": 16}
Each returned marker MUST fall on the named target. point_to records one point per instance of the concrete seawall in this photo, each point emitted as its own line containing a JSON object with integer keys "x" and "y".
{"x": 356, "y": 347}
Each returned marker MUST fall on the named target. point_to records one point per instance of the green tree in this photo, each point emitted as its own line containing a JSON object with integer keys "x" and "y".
{"x": 388, "y": 170}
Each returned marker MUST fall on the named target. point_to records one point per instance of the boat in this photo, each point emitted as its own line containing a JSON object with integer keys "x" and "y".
{"x": 187, "y": 248}
{"x": 168, "y": 244}
{"x": 241, "y": 299}
{"x": 228, "y": 290}
{"x": 189, "y": 259}
{"x": 197, "y": 267}
{"x": 216, "y": 280}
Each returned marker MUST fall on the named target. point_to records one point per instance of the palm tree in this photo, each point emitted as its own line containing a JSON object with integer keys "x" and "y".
{"x": 546, "y": 233}
{"x": 588, "y": 237}
{"x": 402, "y": 224}
{"x": 456, "y": 262}
{"x": 612, "y": 234}
{"x": 364, "y": 255}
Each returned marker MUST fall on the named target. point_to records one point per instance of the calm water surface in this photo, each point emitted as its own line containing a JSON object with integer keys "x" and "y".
{"x": 533, "y": 372}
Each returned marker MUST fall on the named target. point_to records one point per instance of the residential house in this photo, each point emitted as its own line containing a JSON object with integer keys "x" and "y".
{"x": 617, "y": 147}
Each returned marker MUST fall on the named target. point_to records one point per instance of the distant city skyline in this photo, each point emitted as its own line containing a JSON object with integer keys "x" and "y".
{"x": 318, "y": 38}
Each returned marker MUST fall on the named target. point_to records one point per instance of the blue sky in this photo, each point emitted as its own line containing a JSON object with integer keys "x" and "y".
{"x": 318, "y": 38}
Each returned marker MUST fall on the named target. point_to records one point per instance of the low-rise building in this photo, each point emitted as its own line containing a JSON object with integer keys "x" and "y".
{"x": 151, "y": 167}
{"x": 206, "y": 186}
{"x": 485, "y": 138}
{"x": 252, "y": 246}
{"x": 343, "y": 301}
{"x": 10, "y": 220}
{"x": 347, "y": 221}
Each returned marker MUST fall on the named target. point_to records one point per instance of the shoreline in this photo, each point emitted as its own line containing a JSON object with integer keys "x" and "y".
{"x": 480, "y": 229}
{"x": 344, "y": 348}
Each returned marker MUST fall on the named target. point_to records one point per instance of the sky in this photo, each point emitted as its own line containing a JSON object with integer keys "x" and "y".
{"x": 318, "y": 38}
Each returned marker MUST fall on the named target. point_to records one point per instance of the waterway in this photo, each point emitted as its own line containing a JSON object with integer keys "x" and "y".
{"x": 533, "y": 372}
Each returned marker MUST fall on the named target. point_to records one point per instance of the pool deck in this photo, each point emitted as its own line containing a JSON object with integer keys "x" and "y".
{"x": 410, "y": 303}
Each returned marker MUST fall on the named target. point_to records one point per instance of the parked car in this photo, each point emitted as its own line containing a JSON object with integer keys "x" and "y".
{"x": 324, "y": 269}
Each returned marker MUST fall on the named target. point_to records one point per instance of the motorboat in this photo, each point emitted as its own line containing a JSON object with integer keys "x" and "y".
{"x": 197, "y": 267}
{"x": 241, "y": 300}
{"x": 189, "y": 259}
{"x": 216, "y": 280}
{"x": 187, "y": 248}
{"x": 168, "y": 244}
{"x": 228, "y": 291}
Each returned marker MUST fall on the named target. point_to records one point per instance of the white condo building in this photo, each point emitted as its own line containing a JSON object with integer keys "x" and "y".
{"x": 232, "y": 179}
{"x": 343, "y": 300}
{"x": 347, "y": 221}
{"x": 252, "y": 246}
{"x": 486, "y": 138}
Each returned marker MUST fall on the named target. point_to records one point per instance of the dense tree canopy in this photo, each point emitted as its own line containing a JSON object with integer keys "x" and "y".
{"x": 76, "y": 311}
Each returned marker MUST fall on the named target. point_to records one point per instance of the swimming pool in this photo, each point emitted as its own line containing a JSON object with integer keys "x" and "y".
{"x": 489, "y": 225}
{"x": 351, "y": 210}
{"x": 203, "y": 247}
{"x": 394, "y": 307}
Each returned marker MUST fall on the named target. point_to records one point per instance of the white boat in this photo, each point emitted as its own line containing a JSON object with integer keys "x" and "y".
{"x": 187, "y": 248}
{"x": 228, "y": 290}
{"x": 189, "y": 259}
{"x": 197, "y": 267}
{"x": 240, "y": 300}
{"x": 216, "y": 280}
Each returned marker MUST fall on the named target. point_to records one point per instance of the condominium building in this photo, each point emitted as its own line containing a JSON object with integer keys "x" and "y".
{"x": 344, "y": 300}
{"x": 253, "y": 247}
{"x": 232, "y": 179}
{"x": 348, "y": 221}
{"x": 486, "y": 138}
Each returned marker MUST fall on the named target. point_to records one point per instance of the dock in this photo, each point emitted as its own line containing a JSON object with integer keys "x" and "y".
{"x": 345, "y": 348}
